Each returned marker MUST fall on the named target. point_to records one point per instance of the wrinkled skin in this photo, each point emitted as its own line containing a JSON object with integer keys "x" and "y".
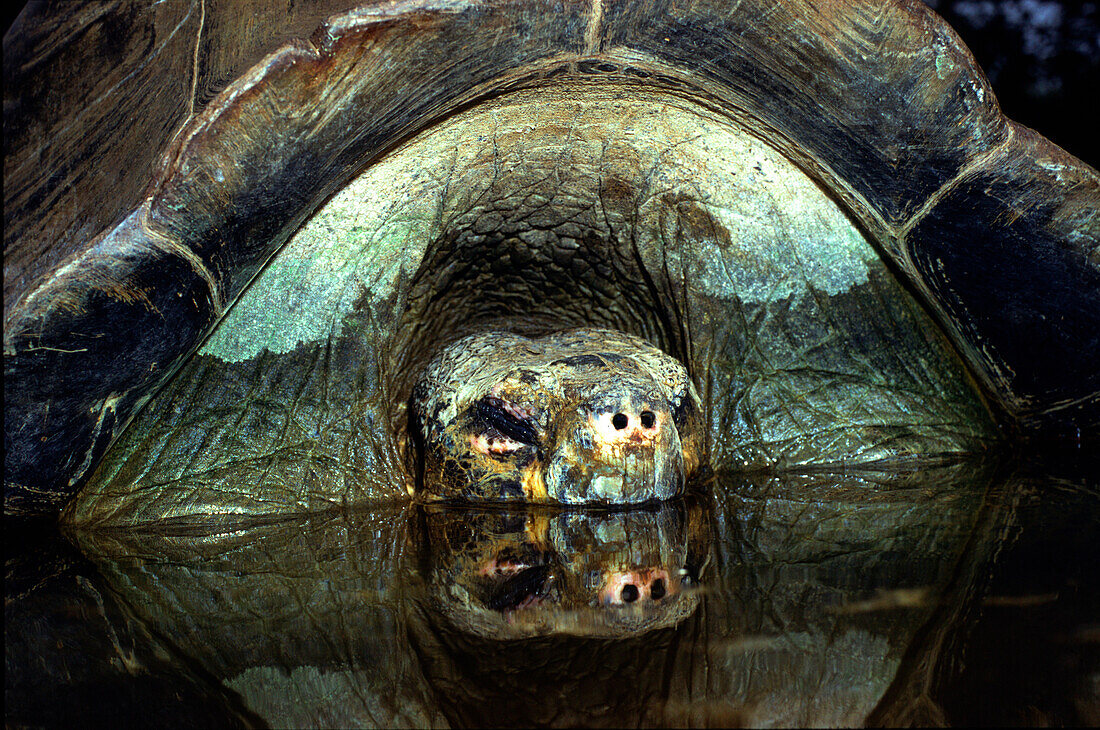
{"x": 581, "y": 417}
{"x": 803, "y": 345}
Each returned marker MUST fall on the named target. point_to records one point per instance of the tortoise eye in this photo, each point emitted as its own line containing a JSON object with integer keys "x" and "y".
{"x": 494, "y": 412}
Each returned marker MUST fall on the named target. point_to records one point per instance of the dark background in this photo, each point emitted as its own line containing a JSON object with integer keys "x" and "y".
{"x": 1042, "y": 58}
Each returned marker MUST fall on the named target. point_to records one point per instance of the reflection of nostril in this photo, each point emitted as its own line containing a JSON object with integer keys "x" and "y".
{"x": 648, "y": 419}
{"x": 619, "y": 421}
{"x": 630, "y": 593}
{"x": 657, "y": 590}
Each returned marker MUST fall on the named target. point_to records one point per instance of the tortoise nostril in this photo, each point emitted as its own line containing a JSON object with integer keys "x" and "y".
{"x": 630, "y": 593}
{"x": 657, "y": 590}
{"x": 648, "y": 419}
{"x": 619, "y": 421}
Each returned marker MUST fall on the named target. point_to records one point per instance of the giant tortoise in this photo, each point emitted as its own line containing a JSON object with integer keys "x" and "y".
{"x": 220, "y": 305}
{"x": 788, "y": 257}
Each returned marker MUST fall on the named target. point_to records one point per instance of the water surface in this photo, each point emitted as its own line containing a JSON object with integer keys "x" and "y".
{"x": 958, "y": 594}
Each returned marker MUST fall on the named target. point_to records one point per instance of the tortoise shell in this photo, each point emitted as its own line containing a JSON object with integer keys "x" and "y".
{"x": 120, "y": 259}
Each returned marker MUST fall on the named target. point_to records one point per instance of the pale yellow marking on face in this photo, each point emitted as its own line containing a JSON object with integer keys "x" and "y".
{"x": 534, "y": 486}
{"x": 482, "y": 444}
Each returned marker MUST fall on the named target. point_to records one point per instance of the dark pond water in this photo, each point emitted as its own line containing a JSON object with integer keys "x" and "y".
{"x": 963, "y": 594}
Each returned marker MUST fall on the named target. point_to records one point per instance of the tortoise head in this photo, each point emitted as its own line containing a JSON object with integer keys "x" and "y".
{"x": 579, "y": 417}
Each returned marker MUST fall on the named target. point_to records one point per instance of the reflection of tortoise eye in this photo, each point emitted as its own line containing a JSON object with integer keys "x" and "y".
{"x": 517, "y": 588}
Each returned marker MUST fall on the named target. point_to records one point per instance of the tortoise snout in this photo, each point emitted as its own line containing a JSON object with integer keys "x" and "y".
{"x": 624, "y": 452}
{"x": 629, "y": 426}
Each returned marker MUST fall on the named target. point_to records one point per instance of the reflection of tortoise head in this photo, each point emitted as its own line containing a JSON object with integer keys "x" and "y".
{"x": 535, "y": 572}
